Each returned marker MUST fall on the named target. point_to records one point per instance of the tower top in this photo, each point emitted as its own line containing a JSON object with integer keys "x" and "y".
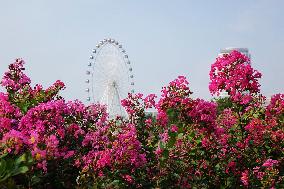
{"x": 228, "y": 50}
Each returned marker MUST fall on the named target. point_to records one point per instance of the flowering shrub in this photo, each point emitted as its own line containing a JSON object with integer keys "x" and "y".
{"x": 234, "y": 142}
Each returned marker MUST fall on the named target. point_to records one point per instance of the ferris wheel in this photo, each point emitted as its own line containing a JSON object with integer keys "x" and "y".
{"x": 110, "y": 76}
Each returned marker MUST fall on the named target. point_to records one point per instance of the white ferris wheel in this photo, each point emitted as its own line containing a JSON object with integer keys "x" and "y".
{"x": 110, "y": 77}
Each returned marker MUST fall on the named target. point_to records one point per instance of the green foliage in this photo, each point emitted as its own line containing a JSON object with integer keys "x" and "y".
{"x": 223, "y": 103}
{"x": 10, "y": 166}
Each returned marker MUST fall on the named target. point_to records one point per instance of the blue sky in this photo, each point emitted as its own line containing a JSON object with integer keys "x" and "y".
{"x": 163, "y": 39}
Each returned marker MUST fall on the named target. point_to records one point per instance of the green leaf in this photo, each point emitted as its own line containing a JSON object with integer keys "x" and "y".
{"x": 192, "y": 153}
{"x": 21, "y": 159}
{"x": 171, "y": 142}
{"x": 176, "y": 176}
{"x": 20, "y": 170}
{"x": 166, "y": 153}
{"x": 180, "y": 136}
{"x": 12, "y": 167}
{"x": 3, "y": 155}
{"x": 198, "y": 141}
{"x": 35, "y": 179}
{"x": 3, "y": 165}
{"x": 4, "y": 177}
{"x": 172, "y": 114}
{"x": 256, "y": 115}
{"x": 191, "y": 136}
{"x": 114, "y": 183}
{"x": 162, "y": 145}
{"x": 217, "y": 166}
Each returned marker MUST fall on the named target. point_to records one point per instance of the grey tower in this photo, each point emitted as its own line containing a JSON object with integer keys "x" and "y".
{"x": 227, "y": 50}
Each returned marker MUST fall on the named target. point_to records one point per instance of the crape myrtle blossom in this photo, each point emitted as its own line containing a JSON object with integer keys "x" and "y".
{"x": 15, "y": 79}
{"x": 233, "y": 73}
{"x": 7, "y": 109}
{"x": 276, "y": 106}
{"x": 227, "y": 119}
{"x": 174, "y": 96}
{"x": 46, "y": 125}
{"x": 270, "y": 163}
{"x": 267, "y": 173}
{"x": 112, "y": 152}
{"x": 204, "y": 112}
{"x": 9, "y": 114}
{"x": 13, "y": 142}
{"x": 177, "y": 97}
{"x": 20, "y": 91}
{"x": 245, "y": 178}
{"x": 149, "y": 101}
{"x": 135, "y": 105}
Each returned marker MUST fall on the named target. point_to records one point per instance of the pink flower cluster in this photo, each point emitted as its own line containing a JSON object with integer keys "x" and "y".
{"x": 204, "y": 112}
{"x": 227, "y": 119}
{"x": 270, "y": 163}
{"x": 135, "y": 105}
{"x": 48, "y": 131}
{"x": 245, "y": 178}
{"x": 9, "y": 114}
{"x": 177, "y": 97}
{"x": 174, "y": 96}
{"x": 276, "y": 105}
{"x": 233, "y": 73}
{"x": 108, "y": 153}
{"x": 13, "y": 142}
{"x": 15, "y": 79}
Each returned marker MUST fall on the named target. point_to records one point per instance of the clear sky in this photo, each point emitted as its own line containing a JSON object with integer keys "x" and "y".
{"x": 163, "y": 39}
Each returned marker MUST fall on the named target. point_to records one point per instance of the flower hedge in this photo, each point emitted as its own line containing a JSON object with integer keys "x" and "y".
{"x": 231, "y": 142}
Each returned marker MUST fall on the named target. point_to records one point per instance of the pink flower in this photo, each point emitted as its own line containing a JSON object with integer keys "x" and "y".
{"x": 246, "y": 99}
{"x": 164, "y": 136}
{"x": 128, "y": 178}
{"x": 205, "y": 112}
{"x": 205, "y": 143}
{"x": 149, "y": 101}
{"x": 159, "y": 151}
{"x": 13, "y": 141}
{"x": 104, "y": 159}
{"x": 148, "y": 122}
{"x": 174, "y": 129}
{"x": 15, "y": 79}
{"x": 270, "y": 163}
{"x": 162, "y": 117}
{"x": 52, "y": 143}
{"x": 231, "y": 167}
{"x": 276, "y": 106}
{"x": 42, "y": 165}
{"x": 245, "y": 178}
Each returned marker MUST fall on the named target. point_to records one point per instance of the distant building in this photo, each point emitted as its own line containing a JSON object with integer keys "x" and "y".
{"x": 151, "y": 113}
{"x": 228, "y": 50}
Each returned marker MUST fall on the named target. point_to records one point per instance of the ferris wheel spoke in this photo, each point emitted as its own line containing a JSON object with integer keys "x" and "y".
{"x": 99, "y": 68}
{"x": 100, "y": 72}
